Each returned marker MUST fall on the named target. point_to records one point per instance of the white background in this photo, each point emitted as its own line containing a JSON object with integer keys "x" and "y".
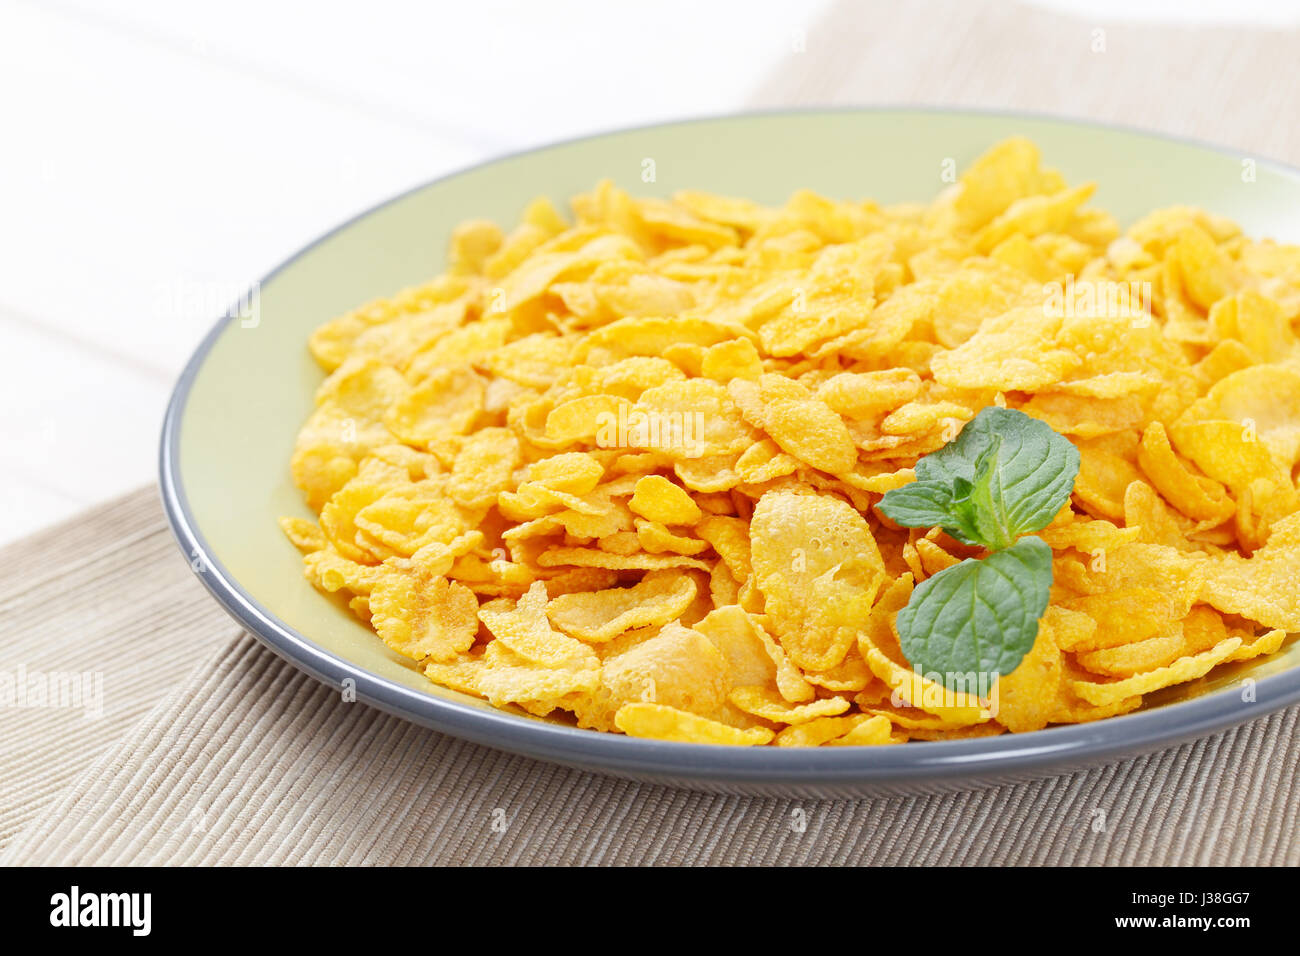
{"x": 156, "y": 158}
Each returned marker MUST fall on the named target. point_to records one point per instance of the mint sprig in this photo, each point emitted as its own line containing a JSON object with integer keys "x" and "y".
{"x": 1005, "y": 476}
{"x": 978, "y": 616}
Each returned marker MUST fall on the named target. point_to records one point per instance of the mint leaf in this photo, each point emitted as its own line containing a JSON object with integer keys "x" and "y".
{"x": 1005, "y": 475}
{"x": 921, "y": 504}
{"x": 979, "y": 617}
{"x": 1033, "y": 467}
{"x": 928, "y": 504}
{"x": 977, "y": 507}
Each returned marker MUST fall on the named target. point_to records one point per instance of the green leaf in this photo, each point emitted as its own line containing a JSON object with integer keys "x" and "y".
{"x": 976, "y": 506}
{"x": 1032, "y": 466}
{"x": 979, "y": 617}
{"x": 921, "y": 504}
{"x": 1005, "y": 475}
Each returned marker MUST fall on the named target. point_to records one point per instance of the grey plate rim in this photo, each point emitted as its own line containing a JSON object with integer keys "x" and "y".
{"x": 952, "y": 761}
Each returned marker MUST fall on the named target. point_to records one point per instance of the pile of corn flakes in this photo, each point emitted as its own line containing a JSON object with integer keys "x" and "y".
{"x": 623, "y": 471}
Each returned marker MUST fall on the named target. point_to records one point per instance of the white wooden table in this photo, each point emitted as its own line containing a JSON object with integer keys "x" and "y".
{"x": 156, "y": 158}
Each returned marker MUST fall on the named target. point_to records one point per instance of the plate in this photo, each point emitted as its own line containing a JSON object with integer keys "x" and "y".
{"x": 237, "y": 408}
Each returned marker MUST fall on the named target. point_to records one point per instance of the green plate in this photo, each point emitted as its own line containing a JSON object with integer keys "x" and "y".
{"x": 232, "y": 421}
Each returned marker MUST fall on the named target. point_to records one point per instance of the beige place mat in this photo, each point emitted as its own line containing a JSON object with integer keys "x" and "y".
{"x": 105, "y": 600}
{"x": 1233, "y": 86}
{"x": 248, "y": 761}
{"x": 210, "y": 749}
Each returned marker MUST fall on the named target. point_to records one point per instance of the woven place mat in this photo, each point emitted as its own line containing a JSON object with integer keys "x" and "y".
{"x": 106, "y": 600}
{"x": 244, "y": 760}
{"x": 1233, "y": 86}
{"x": 210, "y": 749}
